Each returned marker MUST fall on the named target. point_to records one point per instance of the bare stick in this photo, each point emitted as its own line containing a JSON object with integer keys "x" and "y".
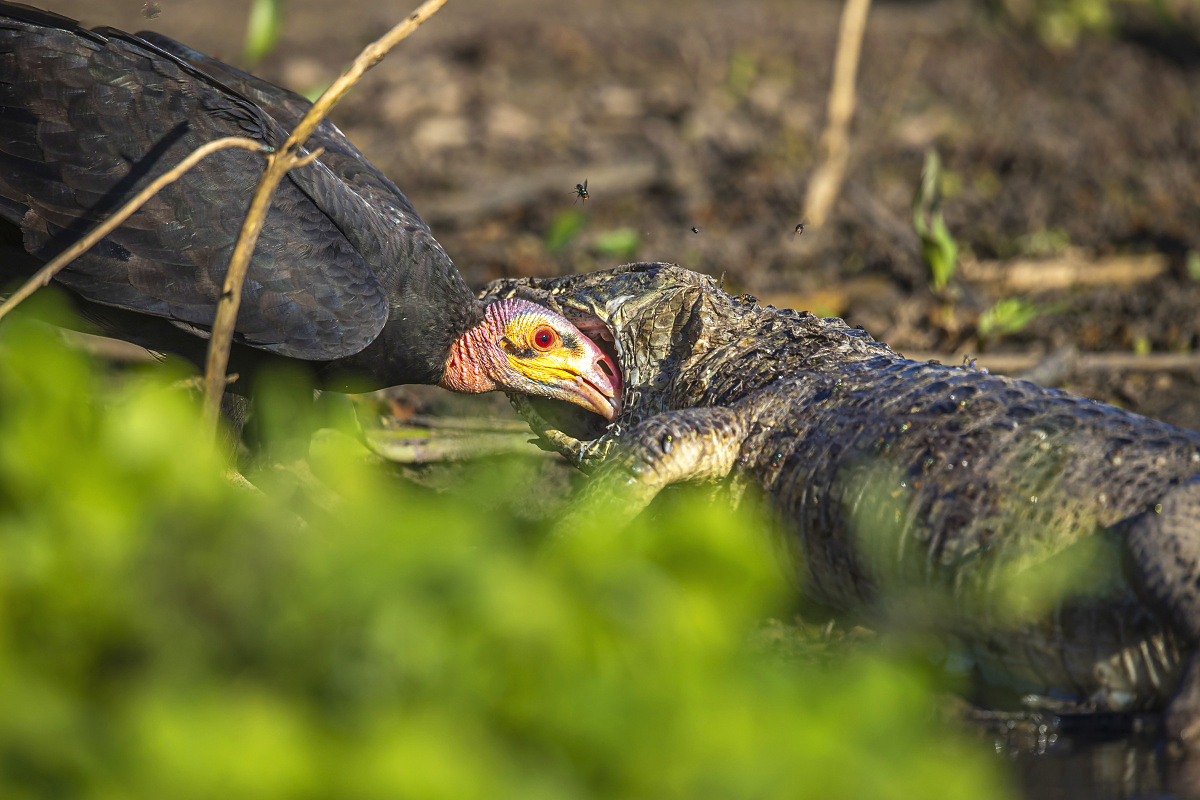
{"x": 277, "y": 165}
{"x": 826, "y": 180}
{"x": 1072, "y": 268}
{"x": 1119, "y": 360}
{"x": 44, "y": 275}
{"x": 431, "y": 449}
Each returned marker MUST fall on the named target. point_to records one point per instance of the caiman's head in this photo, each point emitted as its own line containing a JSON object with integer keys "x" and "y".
{"x": 652, "y": 319}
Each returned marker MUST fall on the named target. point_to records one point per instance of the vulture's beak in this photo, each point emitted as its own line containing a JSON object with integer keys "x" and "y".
{"x": 575, "y": 370}
{"x": 539, "y": 353}
{"x": 597, "y": 384}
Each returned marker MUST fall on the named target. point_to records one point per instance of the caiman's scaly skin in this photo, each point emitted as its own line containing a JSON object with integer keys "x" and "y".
{"x": 894, "y": 475}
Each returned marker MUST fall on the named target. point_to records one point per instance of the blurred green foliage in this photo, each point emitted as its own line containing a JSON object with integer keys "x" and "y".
{"x": 1033, "y": 566}
{"x": 743, "y": 69}
{"x": 263, "y": 28}
{"x": 1060, "y": 23}
{"x": 1045, "y": 242}
{"x": 564, "y": 229}
{"x": 313, "y": 92}
{"x": 167, "y": 633}
{"x": 618, "y": 243}
{"x": 938, "y": 248}
{"x": 1192, "y": 264}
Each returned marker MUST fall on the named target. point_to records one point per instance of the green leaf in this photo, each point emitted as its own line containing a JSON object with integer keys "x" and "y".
{"x": 939, "y": 251}
{"x": 1010, "y": 315}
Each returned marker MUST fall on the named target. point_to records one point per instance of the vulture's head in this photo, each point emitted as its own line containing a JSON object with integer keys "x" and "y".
{"x": 524, "y": 347}
{"x": 654, "y": 320}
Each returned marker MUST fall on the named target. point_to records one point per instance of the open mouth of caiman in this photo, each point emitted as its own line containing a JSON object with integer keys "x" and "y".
{"x": 568, "y": 418}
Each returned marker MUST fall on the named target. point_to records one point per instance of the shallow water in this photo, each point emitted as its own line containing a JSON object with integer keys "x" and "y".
{"x": 1101, "y": 756}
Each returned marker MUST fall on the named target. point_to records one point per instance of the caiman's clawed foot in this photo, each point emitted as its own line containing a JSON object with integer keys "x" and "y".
{"x": 695, "y": 444}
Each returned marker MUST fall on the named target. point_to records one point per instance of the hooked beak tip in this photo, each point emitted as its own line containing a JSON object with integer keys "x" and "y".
{"x": 600, "y": 394}
{"x": 599, "y": 388}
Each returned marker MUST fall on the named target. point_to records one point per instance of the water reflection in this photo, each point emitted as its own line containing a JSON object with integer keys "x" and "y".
{"x": 1072, "y": 757}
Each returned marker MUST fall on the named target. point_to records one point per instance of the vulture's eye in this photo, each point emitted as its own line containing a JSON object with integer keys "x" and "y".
{"x": 544, "y": 338}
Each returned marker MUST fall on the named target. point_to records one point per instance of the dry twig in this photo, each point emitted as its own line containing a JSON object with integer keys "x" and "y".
{"x": 1119, "y": 360}
{"x": 1071, "y": 269}
{"x": 399, "y": 448}
{"x": 44, "y": 275}
{"x": 826, "y": 180}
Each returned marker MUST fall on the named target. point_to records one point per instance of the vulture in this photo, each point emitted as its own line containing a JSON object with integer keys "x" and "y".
{"x": 346, "y": 278}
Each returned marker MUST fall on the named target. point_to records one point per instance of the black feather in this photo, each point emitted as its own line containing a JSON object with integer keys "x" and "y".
{"x": 345, "y": 274}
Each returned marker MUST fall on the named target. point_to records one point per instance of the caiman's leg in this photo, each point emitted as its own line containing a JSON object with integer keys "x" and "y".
{"x": 1165, "y": 545}
{"x": 695, "y": 444}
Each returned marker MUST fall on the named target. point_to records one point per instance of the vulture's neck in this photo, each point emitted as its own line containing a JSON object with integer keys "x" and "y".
{"x": 475, "y": 357}
{"x": 432, "y": 308}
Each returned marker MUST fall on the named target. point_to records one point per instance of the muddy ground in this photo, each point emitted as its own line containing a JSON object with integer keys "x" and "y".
{"x": 708, "y": 114}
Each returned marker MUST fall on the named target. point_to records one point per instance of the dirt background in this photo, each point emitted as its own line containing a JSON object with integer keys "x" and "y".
{"x": 708, "y": 114}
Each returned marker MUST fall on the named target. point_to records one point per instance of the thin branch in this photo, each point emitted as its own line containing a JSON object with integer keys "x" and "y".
{"x": 1073, "y": 268}
{"x": 44, "y": 275}
{"x": 1116, "y": 360}
{"x": 277, "y": 166}
{"x": 402, "y": 449}
{"x": 826, "y": 180}
{"x": 458, "y": 424}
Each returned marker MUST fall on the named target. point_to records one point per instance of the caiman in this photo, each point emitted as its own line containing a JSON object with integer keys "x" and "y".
{"x": 1059, "y": 536}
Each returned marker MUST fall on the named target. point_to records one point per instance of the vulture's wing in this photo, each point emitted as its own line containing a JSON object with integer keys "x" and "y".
{"x": 89, "y": 117}
{"x": 287, "y": 108}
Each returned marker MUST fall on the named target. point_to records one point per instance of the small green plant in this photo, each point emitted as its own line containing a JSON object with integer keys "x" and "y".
{"x": 743, "y": 69}
{"x": 938, "y": 248}
{"x": 618, "y": 243}
{"x": 564, "y": 229}
{"x": 1046, "y": 242}
{"x": 1010, "y": 315}
{"x": 262, "y": 30}
{"x": 1060, "y": 23}
{"x": 1193, "y": 265}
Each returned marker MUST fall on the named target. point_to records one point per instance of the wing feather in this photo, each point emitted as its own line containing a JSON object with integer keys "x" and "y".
{"x": 89, "y": 117}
